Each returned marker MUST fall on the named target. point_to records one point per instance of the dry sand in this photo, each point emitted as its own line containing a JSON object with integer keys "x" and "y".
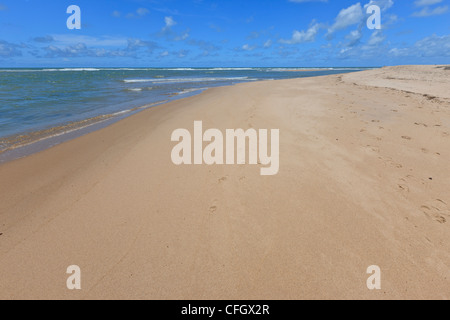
{"x": 364, "y": 180}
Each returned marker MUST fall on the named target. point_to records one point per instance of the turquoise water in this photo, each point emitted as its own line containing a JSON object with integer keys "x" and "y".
{"x": 32, "y": 100}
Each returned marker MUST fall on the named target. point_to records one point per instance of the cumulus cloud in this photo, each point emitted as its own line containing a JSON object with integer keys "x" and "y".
{"x": 303, "y": 36}
{"x": 102, "y": 41}
{"x": 182, "y": 36}
{"x": 303, "y": 1}
{"x": 427, "y": 9}
{"x": 44, "y": 39}
{"x": 354, "y": 37}
{"x": 9, "y": 50}
{"x": 347, "y": 17}
{"x": 140, "y": 12}
{"x": 203, "y": 45}
{"x": 268, "y": 44}
{"x": 383, "y": 4}
{"x": 247, "y": 47}
{"x": 432, "y": 46}
{"x": 423, "y": 3}
{"x": 79, "y": 49}
{"x": 182, "y": 53}
{"x": 170, "y": 22}
{"x": 427, "y": 12}
{"x": 376, "y": 38}
{"x": 135, "y": 44}
{"x": 83, "y": 50}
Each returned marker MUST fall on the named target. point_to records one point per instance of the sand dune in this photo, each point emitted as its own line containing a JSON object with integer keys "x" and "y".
{"x": 363, "y": 180}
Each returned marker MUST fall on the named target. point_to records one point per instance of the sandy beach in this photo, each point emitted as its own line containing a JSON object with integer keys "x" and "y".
{"x": 363, "y": 180}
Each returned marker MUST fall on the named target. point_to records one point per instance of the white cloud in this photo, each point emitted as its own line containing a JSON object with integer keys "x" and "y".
{"x": 423, "y": 3}
{"x": 376, "y": 38}
{"x": 167, "y": 29}
{"x": 105, "y": 41}
{"x": 347, "y": 17}
{"x": 427, "y": 12}
{"x": 302, "y": 1}
{"x": 303, "y": 36}
{"x": 432, "y": 46}
{"x": 169, "y": 22}
{"x": 142, "y": 12}
{"x": 354, "y": 37}
{"x": 8, "y": 50}
{"x": 383, "y": 4}
{"x": 182, "y": 53}
{"x": 182, "y": 36}
{"x": 247, "y": 47}
{"x": 268, "y": 44}
{"x": 399, "y": 52}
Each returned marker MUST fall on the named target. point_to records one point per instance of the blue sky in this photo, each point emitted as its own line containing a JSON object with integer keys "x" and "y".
{"x": 223, "y": 33}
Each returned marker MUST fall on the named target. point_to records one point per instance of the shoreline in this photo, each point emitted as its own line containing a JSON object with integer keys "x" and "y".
{"x": 362, "y": 182}
{"x": 40, "y": 132}
{"x": 27, "y": 143}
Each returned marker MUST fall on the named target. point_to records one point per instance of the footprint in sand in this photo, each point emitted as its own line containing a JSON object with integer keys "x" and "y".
{"x": 403, "y": 187}
{"x": 436, "y": 210}
{"x": 391, "y": 162}
{"x": 213, "y": 206}
{"x": 411, "y": 184}
{"x": 421, "y": 124}
{"x": 371, "y": 149}
{"x": 213, "y": 209}
{"x": 406, "y": 138}
{"x": 223, "y": 179}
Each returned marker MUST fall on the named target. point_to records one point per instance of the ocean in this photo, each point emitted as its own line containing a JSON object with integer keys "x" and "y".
{"x": 51, "y": 105}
